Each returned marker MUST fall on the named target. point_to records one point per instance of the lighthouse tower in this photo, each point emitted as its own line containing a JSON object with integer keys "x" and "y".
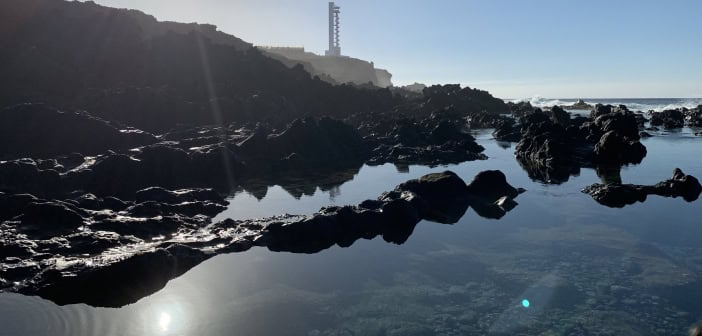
{"x": 334, "y": 42}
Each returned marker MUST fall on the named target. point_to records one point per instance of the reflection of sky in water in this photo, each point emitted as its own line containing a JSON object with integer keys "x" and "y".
{"x": 580, "y": 265}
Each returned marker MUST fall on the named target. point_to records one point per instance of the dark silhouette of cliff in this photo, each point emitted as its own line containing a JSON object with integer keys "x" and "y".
{"x": 336, "y": 70}
{"x": 123, "y": 65}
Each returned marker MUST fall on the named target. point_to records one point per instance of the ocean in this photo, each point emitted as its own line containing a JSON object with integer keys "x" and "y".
{"x": 634, "y": 104}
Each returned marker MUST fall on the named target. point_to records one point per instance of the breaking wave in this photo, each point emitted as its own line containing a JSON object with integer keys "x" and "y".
{"x": 634, "y": 104}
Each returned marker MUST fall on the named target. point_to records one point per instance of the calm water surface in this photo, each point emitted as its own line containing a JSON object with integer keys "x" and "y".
{"x": 558, "y": 264}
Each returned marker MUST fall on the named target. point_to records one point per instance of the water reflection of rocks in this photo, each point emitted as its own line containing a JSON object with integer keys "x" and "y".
{"x": 613, "y": 193}
{"x": 137, "y": 247}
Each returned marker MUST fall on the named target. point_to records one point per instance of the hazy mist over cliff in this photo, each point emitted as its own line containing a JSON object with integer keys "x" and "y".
{"x": 511, "y": 48}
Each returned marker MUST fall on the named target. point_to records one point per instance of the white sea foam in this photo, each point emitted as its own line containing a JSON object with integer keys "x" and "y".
{"x": 633, "y": 104}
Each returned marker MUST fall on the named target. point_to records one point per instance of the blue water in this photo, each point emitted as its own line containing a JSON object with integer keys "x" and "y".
{"x": 585, "y": 269}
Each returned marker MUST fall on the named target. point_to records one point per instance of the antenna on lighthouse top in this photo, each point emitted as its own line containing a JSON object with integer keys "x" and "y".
{"x": 334, "y": 41}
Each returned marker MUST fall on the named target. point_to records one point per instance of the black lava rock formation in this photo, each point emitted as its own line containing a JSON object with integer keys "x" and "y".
{"x": 617, "y": 195}
{"x": 72, "y": 250}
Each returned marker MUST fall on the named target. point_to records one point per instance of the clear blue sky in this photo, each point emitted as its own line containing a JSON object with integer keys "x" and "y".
{"x": 512, "y": 48}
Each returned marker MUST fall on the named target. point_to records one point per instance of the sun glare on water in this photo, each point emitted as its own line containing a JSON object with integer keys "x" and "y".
{"x": 164, "y": 321}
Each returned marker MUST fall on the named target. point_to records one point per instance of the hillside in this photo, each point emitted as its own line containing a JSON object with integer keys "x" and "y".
{"x": 337, "y": 70}
{"x": 123, "y": 65}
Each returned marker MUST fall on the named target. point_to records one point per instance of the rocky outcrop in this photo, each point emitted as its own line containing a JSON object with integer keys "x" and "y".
{"x": 306, "y": 144}
{"x": 38, "y": 131}
{"x": 617, "y": 195}
{"x": 677, "y": 118}
{"x": 432, "y": 141}
{"x": 553, "y": 145}
{"x": 462, "y": 99}
{"x": 693, "y": 117}
{"x": 84, "y": 246}
{"x": 668, "y": 119}
{"x": 578, "y": 105}
{"x": 520, "y": 109}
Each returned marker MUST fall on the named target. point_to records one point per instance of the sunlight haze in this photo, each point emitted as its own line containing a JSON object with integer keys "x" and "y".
{"x": 514, "y": 49}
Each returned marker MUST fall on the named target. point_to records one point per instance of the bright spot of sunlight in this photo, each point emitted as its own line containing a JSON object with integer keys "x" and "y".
{"x": 164, "y": 321}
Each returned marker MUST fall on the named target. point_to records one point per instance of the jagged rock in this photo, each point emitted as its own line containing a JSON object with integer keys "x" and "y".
{"x": 447, "y": 131}
{"x": 613, "y": 147}
{"x": 37, "y": 130}
{"x": 507, "y": 131}
{"x": 619, "y": 195}
{"x": 668, "y": 119}
{"x": 560, "y": 116}
{"x": 578, "y": 105}
{"x": 162, "y": 195}
{"x": 600, "y": 110}
{"x": 693, "y": 117}
{"x": 24, "y": 176}
{"x": 49, "y": 218}
{"x": 154, "y": 270}
{"x": 520, "y": 109}
{"x": 13, "y": 205}
{"x": 319, "y": 144}
{"x": 548, "y": 149}
{"x": 463, "y": 99}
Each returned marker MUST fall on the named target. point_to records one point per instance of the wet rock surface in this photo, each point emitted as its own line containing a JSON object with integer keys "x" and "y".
{"x": 672, "y": 119}
{"x": 162, "y": 233}
{"x": 618, "y": 195}
{"x": 38, "y": 130}
{"x": 553, "y": 146}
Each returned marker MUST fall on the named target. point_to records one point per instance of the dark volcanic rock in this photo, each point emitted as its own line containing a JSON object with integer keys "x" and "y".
{"x": 24, "y": 176}
{"x": 441, "y": 197}
{"x": 507, "y": 131}
{"x": 462, "y": 99}
{"x": 154, "y": 270}
{"x": 619, "y": 195}
{"x": 578, "y": 105}
{"x": 157, "y": 241}
{"x": 431, "y": 141}
{"x": 520, "y": 109}
{"x": 613, "y": 147}
{"x": 551, "y": 152}
{"x": 49, "y": 219}
{"x": 668, "y": 119}
{"x": 306, "y": 144}
{"x": 36, "y": 130}
{"x": 693, "y": 117}
{"x": 130, "y": 76}
{"x": 491, "y": 185}
{"x": 559, "y": 116}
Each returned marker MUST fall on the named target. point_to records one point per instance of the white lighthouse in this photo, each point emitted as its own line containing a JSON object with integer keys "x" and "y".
{"x": 334, "y": 42}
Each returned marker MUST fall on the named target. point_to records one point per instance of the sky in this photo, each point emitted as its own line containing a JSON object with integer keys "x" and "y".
{"x": 512, "y": 48}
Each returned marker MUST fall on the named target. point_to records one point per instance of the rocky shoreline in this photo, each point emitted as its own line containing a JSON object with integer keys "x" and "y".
{"x": 70, "y": 251}
{"x": 109, "y": 186}
{"x": 137, "y": 216}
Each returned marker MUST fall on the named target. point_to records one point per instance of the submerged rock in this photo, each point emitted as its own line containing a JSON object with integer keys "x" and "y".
{"x": 619, "y": 195}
